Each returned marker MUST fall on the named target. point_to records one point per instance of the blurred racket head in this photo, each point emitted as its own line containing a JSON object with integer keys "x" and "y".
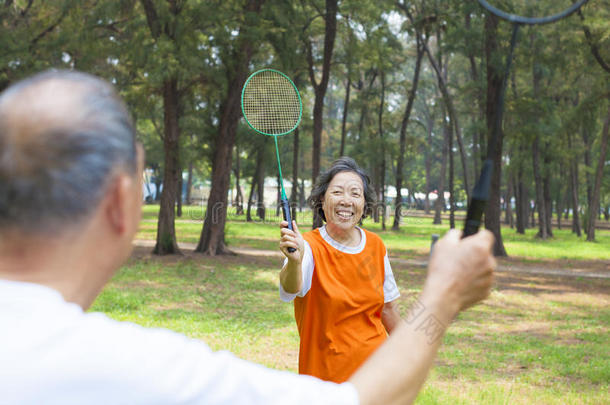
{"x": 532, "y": 12}
{"x": 270, "y": 103}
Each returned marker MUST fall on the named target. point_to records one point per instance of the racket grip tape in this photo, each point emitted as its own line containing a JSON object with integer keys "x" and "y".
{"x": 478, "y": 202}
{"x": 287, "y": 217}
{"x": 473, "y": 218}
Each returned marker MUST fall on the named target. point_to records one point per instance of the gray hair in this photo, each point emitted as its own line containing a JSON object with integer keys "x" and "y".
{"x": 55, "y": 175}
{"x": 343, "y": 164}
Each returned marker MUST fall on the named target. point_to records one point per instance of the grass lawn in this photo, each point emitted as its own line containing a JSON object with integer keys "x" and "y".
{"x": 538, "y": 339}
{"x": 412, "y": 239}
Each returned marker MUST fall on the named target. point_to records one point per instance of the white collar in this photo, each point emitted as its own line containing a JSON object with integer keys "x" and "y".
{"x": 342, "y": 248}
{"x": 21, "y": 291}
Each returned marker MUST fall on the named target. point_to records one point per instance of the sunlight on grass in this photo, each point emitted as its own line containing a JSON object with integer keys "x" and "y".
{"x": 413, "y": 238}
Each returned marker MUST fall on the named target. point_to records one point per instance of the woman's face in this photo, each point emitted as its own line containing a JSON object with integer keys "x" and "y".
{"x": 343, "y": 202}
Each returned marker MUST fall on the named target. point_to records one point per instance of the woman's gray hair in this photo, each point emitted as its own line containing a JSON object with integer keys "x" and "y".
{"x": 343, "y": 164}
{"x": 56, "y": 175}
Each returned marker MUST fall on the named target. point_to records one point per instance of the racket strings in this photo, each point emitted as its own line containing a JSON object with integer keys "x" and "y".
{"x": 271, "y": 103}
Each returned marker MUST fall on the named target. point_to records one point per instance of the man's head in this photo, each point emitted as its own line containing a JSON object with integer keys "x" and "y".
{"x": 69, "y": 164}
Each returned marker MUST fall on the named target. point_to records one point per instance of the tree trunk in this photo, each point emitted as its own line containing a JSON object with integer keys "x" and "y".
{"x": 586, "y": 137}
{"x": 403, "y": 133}
{"x": 559, "y": 199}
{"x": 189, "y": 183}
{"x": 250, "y": 198}
{"x": 330, "y": 32}
{"x": 212, "y": 240}
{"x": 594, "y": 207}
{"x": 451, "y": 185}
{"x": 533, "y": 215}
{"x": 302, "y": 198}
{"x": 522, "y": 203}
{"x": 239, "y": 198}
{"x": 381, "y": 205}
{"x": 179, "y": 192}
{"x": 166, "y": 231}
{"x": 440, "y": 200}
{"x": 428, "y": 162}
{"x": 548, "y": 201}
{"x": 260, "y": 182}
{"x": 474, "y": 75}
{"x": 494, "y": 87}
{"x": 260, "y": 188}
{"x": 540, "y": 201}
{"x": 574, "y": 191}
{"x": 376, "y": 187}
{"x": 448, "y": 100}
{"x": 508, "y": 219}
{"x": 348, "y": 87}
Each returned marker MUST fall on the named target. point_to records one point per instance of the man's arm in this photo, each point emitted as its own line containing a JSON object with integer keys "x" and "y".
{"x": 459, "y": 275}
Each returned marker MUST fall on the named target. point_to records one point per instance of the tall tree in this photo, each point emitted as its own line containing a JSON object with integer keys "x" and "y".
{"x": 594, "y": 207}
{"x": 419, "y": 50}
{"x": 494, "y": 87}
{"x": 238, "y": 52}
{"x": 166, "y": 26}
{"x": 330, "y": 32}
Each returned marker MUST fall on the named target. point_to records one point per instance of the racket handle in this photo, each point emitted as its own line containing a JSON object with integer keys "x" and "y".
{"x": 473, "y": 218}
{"x": 478, "y": 202}
{"x": 287, "y": 217}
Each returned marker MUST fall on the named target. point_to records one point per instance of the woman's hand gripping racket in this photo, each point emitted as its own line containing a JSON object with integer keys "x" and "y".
{"x": 272, "y": 106}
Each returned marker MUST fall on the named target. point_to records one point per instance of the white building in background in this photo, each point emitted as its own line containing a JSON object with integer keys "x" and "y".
{"x": 432, "y": 196}
{"x": 200, "y": 194}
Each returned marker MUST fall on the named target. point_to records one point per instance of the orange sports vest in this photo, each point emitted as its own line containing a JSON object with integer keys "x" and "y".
{"x": 339, "y": 319}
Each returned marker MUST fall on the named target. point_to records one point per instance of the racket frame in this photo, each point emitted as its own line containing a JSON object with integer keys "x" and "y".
{"x": 284, "y": 200}
{"x": 243, "y": 111}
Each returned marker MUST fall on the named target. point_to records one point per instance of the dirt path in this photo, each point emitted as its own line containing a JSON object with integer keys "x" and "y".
{"x": 585, "y": 269}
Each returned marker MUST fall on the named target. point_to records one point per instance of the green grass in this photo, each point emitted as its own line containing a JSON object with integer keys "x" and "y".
{"x": 231, "y": 306}
{"x": 413, "y": 238}
{"x": 536, "y": 340}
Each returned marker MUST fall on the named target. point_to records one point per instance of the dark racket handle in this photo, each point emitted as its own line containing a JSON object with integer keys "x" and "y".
{"x": 478, "y": 202}
{"x": 287, "y": 217}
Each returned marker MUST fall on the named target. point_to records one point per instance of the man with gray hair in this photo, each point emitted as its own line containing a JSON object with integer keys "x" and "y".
{"x": 70, "y": 201}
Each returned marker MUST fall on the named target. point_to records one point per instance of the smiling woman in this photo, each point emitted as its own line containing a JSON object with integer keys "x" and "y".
{"x": 339, "y": 277}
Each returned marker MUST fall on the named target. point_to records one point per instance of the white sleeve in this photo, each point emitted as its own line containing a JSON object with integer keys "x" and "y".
{"x": 307, "y": 267}
{"x": 390, "y": 289}
{"x": 102, "y": 361}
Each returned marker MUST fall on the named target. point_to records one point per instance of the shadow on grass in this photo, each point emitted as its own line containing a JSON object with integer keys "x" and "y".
{"x": 229, "y": 292}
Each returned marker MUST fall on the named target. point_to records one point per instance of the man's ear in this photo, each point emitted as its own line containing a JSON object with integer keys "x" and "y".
{"x": 118, "y": 203}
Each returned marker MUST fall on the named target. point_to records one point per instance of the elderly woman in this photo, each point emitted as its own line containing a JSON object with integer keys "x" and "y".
{"x": 339, "y": 277}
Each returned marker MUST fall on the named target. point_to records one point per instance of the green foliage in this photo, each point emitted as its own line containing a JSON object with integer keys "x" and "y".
{"x": 198, "y": 43}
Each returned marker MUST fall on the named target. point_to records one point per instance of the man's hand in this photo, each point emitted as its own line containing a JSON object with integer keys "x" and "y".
{"x": 291, "y": 239}
{"x": 461, "y": 270}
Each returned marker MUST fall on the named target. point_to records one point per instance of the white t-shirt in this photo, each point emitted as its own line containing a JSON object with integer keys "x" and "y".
{"x": 51, "y": 352}
{"x": 390, "y": 289}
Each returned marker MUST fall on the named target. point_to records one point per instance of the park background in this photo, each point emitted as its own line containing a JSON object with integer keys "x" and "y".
{"x": 408, "y": 89}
